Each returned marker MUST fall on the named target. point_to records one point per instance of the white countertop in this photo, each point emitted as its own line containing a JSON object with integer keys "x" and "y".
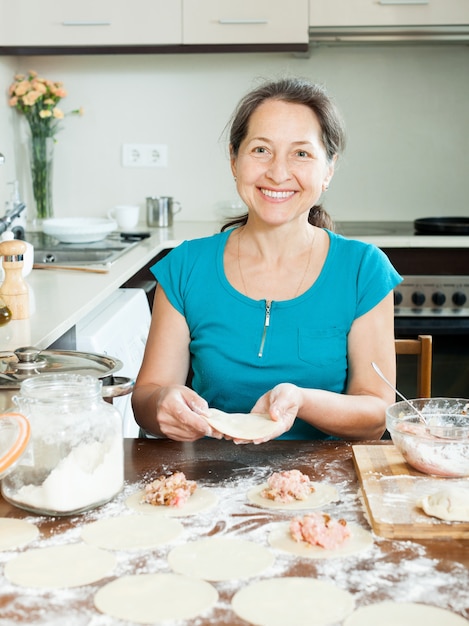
{"x": 60, "y": 298}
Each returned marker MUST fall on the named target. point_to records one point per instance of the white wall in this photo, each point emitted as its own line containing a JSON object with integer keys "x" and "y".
{"x": 406, "y": 110}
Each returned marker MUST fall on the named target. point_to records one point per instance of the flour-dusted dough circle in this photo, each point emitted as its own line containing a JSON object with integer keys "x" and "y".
{"x": 405, "y": 614}
{"x": 15, "y": 533}
{"x": 323, "y": 494}
{"x": 131, "y": 532}
{"x": 220, "y": 558}
{"x": 293, "y": 601}
{"x": 200, "y": 500}
{"x": 248, "y": 426}
{"x": 450, "y": 504}
{"x": 150, "y": 598}
{"x": 69, "y": 565}
{"x": 359, "y": 540}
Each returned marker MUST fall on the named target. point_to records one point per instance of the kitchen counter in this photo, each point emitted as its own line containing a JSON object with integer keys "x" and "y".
{"x": 430, "y": 571}
{"x": 60, "y": 298}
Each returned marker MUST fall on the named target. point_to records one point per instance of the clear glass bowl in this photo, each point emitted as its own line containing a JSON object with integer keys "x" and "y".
{"x": 440, "y": 446}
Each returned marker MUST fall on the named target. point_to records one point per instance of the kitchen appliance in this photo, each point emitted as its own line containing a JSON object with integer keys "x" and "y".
{"x": 433, "y": 298}
{"x": 119, "y": 326}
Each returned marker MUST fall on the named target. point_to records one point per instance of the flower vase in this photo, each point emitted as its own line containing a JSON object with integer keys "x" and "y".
{"x": 41, "y": 162}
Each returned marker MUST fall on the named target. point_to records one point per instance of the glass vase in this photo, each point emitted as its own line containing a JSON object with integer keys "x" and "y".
{"x": 41, "y": 162}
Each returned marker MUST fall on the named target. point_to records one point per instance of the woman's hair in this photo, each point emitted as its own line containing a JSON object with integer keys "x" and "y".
{"x": 296, "y": 91}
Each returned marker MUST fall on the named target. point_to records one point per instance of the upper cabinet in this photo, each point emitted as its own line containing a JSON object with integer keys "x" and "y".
{"x": 388, "y": 12}
{"x": 67, "y": 23}
{"x": 245, "y": 22}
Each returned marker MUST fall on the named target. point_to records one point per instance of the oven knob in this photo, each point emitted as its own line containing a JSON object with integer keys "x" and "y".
{"x": 418, "y": 298}
{"x": 438, "y": 298}
{"x": 459, "y": 298}
{"x": 397, "y": 298}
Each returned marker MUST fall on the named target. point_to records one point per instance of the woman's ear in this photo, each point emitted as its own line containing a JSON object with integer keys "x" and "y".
{"x": 329, "y": 173}
{"x": 233, "y": 162}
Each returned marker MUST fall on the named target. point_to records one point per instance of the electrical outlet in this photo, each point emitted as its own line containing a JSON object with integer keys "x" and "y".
{"x": 144, "y": 155}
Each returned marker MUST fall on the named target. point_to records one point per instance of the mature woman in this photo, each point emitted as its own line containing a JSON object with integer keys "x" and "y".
{"x": 276, "y": 314}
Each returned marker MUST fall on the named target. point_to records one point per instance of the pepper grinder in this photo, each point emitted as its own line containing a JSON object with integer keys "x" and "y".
{"x": 14, "y": 290}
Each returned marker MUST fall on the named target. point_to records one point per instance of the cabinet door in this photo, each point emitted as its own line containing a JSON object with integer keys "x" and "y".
{"x": 89, "y": 22}
{"x": 245, "y": 21}
{"x": 388, "y": 12}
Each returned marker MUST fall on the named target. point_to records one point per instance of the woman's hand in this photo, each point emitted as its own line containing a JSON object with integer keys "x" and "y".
{"x": 282, "y": 403}
{"x": 179, "y": 414}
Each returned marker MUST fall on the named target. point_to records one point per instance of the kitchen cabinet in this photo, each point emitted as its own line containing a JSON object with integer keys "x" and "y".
{"x": 90, "y": 22}
{"x": 245, "y": 22}
{"x": 388, "y": 12}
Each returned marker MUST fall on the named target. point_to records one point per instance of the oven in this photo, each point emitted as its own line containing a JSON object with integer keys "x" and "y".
{"x": 433, "y": 299}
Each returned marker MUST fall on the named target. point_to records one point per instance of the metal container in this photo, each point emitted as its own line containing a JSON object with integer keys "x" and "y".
{"x": 160, "y": 211}
{"x": 74, "y": 460}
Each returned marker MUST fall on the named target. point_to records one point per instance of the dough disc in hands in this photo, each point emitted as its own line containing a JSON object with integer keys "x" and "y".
{"x": 450, "y": 504}
{"x": 299, "y": 601}
{"x": 322, "y": 495}
{"x": 403, "y": 613}
{"x": 359, "y": 540}
{"x": 151, "y": 598}
{"x": 15, "y": 533}
{"x": 249, "y": 426}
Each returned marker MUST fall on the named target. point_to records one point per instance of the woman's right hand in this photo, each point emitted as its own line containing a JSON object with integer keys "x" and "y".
{"x": 179, "y": 412}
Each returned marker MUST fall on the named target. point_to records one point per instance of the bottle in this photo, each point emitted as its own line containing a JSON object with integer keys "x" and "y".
{"x": 28, "y": 257}
{"x": 14, "y": 289}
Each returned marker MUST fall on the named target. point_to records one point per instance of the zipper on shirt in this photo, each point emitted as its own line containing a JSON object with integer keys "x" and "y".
{"x": 268, "y": 306}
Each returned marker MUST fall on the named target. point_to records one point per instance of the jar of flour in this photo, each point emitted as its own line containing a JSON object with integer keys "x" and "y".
{"x": 74, "y": 460}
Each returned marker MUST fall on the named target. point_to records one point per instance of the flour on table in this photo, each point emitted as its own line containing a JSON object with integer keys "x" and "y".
{"x": 220, "y": 558}
{"x": 200, "y": 500}
{"x": 131, "y": 532}
{"x": 404, "y": 614}
{"x": 323, "y": 494}
{"x": 69, "y": 565}
{"x": 248, "y": 426}
{"x": 294, "y": 600}
{"x": 150, "y": 598}
{"x": 359, "y": 540}
{"x": 450, "y": 504}
{"x": 15, "y": 533}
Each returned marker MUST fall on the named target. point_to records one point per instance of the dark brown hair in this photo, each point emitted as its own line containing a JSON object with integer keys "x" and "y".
{"x": 296, "y": 91}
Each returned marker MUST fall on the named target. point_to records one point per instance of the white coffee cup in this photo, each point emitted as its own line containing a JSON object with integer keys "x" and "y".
{"x": 126, "y": 215}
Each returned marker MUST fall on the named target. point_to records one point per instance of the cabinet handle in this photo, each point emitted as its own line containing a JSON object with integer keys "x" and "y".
{"x": 243, "y": 21}
{"x": 404, "y": 1}
{"x": 86, "y": 23}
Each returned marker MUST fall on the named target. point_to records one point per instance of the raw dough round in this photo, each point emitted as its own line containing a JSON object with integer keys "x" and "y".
{"x": 249, "y": 426}
{"x": 131, "y": 532}
{"x": 15, "y": 533}
{"x": 220, "y": 558}
{"x": 450, "y": 504}
{"x": 322, "y": 495}
{"x": 200, "y": 500}
{"x": 70, "y": 565}
{"x": 359, "y": 540}
{"x": 299, "y": 601}
{"x": 403, "y": 613}
{"x": 150, "y": 598}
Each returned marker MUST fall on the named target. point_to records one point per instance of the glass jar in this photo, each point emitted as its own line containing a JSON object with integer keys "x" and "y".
{"x": 74, "y": 460}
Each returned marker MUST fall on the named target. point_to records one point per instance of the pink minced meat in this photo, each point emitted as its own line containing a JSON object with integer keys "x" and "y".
{"x": 318, "y": 529}
{"x": 288, "y": 486}
{"x": 172, "y": 490}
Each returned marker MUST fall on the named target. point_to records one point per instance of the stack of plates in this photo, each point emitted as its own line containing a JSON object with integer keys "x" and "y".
{"x": 78, "y": 229}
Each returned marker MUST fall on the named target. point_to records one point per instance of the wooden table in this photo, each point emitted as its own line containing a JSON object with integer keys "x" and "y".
{"x": 430, "y": 571}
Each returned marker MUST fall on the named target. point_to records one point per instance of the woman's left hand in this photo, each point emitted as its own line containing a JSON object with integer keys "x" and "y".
{"x": 282, "y": 403}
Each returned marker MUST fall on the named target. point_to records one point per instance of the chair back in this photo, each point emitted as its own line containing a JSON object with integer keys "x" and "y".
{"x": 422, "y": 348}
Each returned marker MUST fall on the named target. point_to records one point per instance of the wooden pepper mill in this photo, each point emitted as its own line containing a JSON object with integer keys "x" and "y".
{"x": 14, "y": 289}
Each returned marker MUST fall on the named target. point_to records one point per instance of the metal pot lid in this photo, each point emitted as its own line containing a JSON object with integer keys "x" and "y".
{"x": 29, "y": 361}
{"x": 442, "y": 226}
{"x": 14, "y": 437}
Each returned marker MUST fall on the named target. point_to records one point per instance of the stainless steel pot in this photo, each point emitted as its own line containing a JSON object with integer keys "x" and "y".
{"x": 28, "y": 361}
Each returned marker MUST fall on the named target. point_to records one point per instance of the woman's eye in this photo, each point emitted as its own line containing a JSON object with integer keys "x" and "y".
{"x": 260, "y": 150}
{"x": 302, "y": 153}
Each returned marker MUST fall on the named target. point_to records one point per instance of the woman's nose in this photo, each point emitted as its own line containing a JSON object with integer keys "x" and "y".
{"x": 279, "y": 170}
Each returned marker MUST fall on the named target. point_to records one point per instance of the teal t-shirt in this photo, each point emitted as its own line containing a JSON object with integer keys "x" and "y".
{"x": 236, "y": 358}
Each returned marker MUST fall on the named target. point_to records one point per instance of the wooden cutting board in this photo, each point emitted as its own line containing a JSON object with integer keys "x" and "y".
{"x": 391, "y": 492}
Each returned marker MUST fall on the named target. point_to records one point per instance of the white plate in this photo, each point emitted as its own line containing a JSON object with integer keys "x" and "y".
{"x": 78, "y": 229}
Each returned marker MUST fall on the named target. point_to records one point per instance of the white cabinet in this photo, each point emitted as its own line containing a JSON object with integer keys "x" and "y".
{"x": 90, "y": 22}
{"x": 388, "y": 12}
{"x": 245, "y": 21}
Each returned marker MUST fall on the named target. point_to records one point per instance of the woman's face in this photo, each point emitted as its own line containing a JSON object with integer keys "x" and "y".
{"x": 281, "y": 167}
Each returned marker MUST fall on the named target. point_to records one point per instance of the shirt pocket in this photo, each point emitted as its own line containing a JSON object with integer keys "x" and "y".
{"x": 322, "y": 347}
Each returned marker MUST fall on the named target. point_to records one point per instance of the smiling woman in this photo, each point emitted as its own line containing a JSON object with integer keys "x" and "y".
{"x": 275, "y": 315}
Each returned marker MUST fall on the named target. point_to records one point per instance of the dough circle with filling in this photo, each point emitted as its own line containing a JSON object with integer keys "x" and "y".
{"x": 249, "y": 426}
{"x": 322, "y": 495}
{"x": 200, "y": 500}
{"x": 294, "y": 600}
{"x": 403, "y": 613}
{"x": 15, "y": 533}
{"x": 150, "y": 598}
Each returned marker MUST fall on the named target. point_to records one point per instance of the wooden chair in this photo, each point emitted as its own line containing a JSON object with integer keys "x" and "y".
{"x": 422, "y": 348}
